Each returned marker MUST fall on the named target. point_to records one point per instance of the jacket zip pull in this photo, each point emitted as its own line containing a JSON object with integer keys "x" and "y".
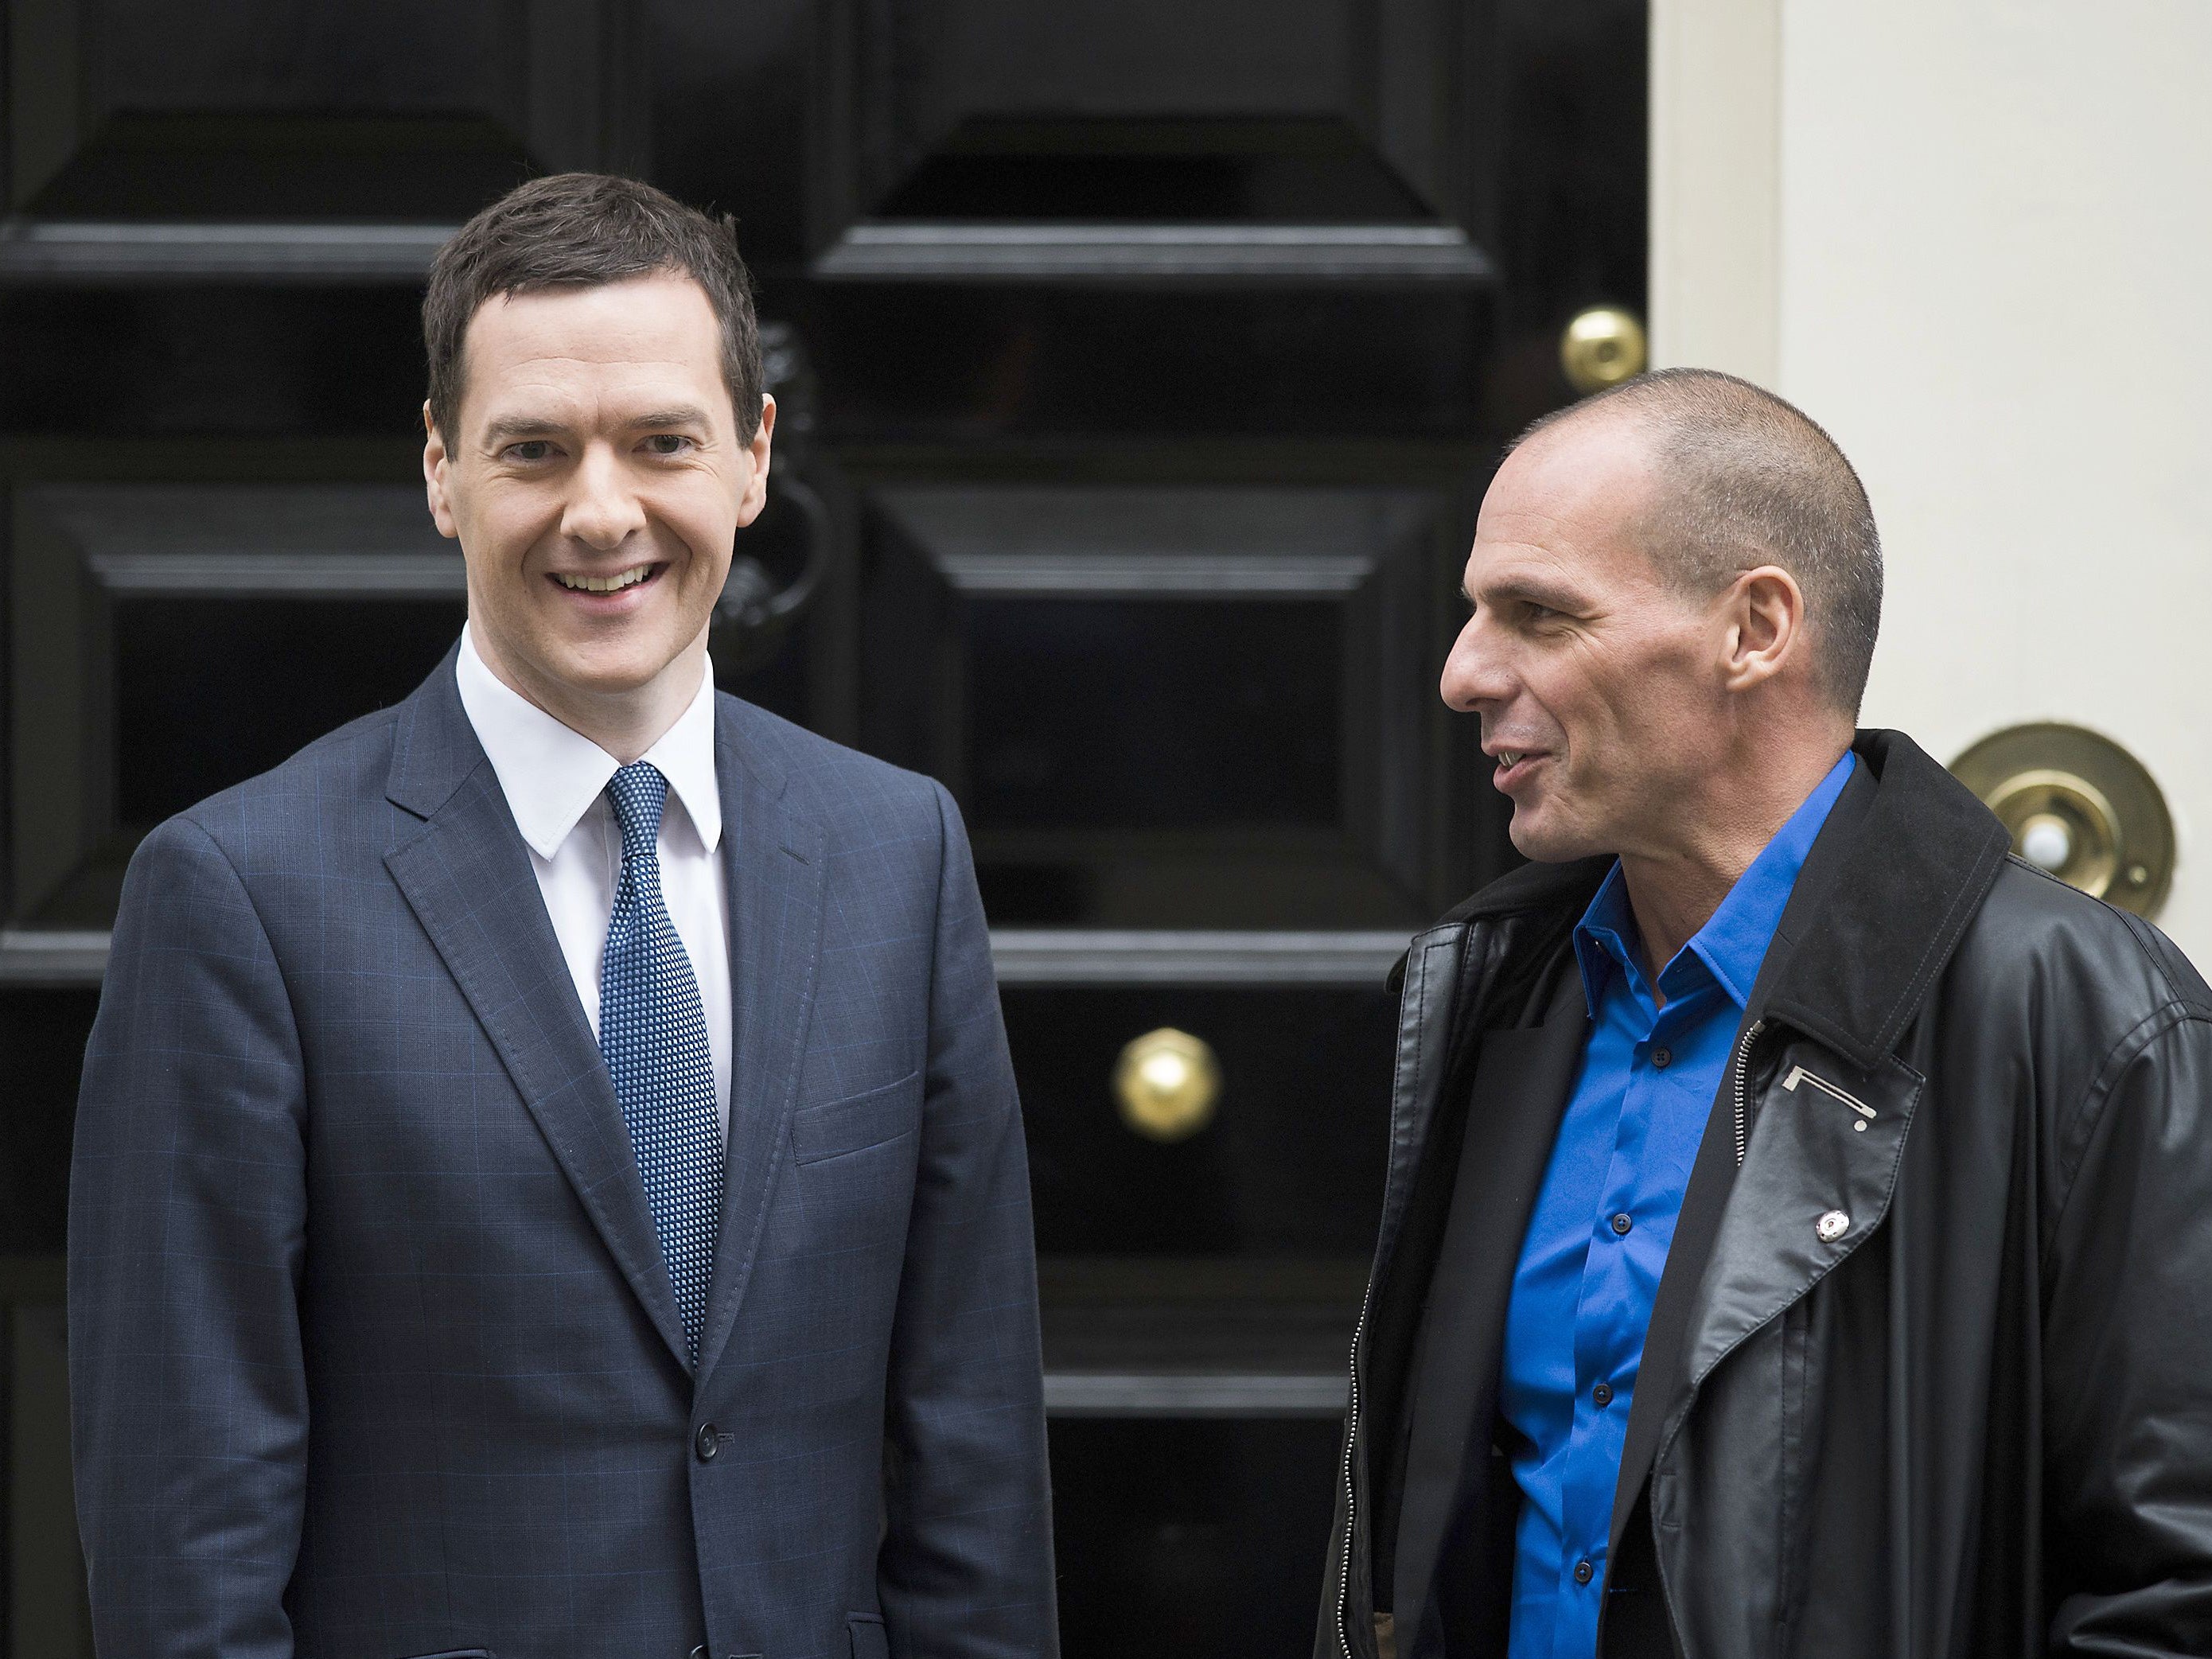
{"x": 1742, "y": 1089}
{"x": 1798, "y": 1073}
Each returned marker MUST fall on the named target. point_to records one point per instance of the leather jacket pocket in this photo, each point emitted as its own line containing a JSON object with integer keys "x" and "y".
{"x": 869, "y": 1639}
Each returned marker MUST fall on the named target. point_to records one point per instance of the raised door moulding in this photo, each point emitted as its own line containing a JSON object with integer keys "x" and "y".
{"x": 267, "y": 540}
{"x": 1367, "y": 120}
{"x": 293, "y": 142}
{"x": 1141, "y": 574}
{"x": 50, "y": 957}
{"x": 1141, "y": 1394}
{"x": 375, "y": 540}
{"x": 1374, "y": 553}
{"x": 97, "y": 87}
{"x": 1166, "y": 254}
{"x": 1023, "y": 956}
{"x": 77, "y": 548}
{"x": 1157, "y": 538}
{"x": 1043, "y": 955}
{"x": 37, "y": 250}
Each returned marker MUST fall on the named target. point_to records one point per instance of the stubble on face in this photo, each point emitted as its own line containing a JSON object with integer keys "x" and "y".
{"x": 1591, "y": 676}
{"x": 596, "y": 481}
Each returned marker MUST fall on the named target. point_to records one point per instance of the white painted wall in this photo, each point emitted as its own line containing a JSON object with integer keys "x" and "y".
{"x": 1973, "y": 238}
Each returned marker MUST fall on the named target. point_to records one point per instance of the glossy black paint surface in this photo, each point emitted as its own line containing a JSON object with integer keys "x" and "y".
{"x": 1139, "y": 756}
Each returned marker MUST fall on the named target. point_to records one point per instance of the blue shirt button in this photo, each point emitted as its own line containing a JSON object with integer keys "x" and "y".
{"x": 1603, "y": 1394}
{"x": 1585, "y": 1572}
{"x": 1662, "y": 1058}
{"x": 1622, "y": 1224}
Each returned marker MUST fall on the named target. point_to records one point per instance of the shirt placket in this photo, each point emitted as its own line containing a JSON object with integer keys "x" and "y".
{"x": 1628, "y": 1249}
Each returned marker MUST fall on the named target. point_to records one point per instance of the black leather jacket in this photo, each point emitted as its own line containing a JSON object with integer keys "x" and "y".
{"x": 1942, "y": 1382}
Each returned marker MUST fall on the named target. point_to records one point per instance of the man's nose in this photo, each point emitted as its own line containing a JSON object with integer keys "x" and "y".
{"x": 603, "y": 510}
{"x": 1474, "y": 676}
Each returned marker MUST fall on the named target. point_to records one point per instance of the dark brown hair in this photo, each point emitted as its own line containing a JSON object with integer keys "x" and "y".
{"x": 1747, "y": 479}
{"x": 579, "y": 230}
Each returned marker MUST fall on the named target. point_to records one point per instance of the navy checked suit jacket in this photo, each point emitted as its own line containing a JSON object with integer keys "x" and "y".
{"x": 372, "y": 1352}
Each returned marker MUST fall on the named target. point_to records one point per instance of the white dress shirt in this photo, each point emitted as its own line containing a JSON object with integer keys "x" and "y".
{"x": 554, "y": 780}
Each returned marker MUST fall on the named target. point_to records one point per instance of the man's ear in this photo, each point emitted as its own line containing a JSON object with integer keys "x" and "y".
{"x": 755, "y": 491}
{"x": 434, "y": 461}
{"x": 1765, "y": 614}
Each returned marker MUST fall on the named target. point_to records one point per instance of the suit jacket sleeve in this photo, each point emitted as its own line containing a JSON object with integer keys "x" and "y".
{"x": 966, "y": 1563}
{"x": 2128, "y": 1357}
{"x": 187, "y": 1244}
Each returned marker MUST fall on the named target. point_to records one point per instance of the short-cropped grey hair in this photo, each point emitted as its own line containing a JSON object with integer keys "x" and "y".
{"x": 1747, "y": 479}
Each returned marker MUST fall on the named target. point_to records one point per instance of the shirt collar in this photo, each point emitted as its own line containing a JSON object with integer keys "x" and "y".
{"x": 551, "y": 773}
{"x": 1733, "y": 944}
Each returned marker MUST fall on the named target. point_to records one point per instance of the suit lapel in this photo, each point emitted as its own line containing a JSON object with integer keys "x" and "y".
{"x": 775, "y": 860}
{"x": 468, "y": 879}
{"x": 1522, "y": 1082}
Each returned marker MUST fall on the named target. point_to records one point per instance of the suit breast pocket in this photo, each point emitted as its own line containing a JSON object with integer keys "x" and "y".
{"x": 857, "y": 1123}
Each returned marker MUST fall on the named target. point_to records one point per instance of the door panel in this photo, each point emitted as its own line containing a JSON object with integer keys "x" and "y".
{"x": 948, "y": 127}
{"x": 1290, "y": 1166}
{"x": 129, "y": 109}
{"x": 1190, "y": 1536}
{"x": 1166, "y": 706}
{"x": 1015, "y": 357}
{"x": 214, "y": 360}
{"x": 1147, "y": 362}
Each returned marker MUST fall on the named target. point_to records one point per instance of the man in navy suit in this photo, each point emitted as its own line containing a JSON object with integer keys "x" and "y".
{"x": 549, "y": 1178}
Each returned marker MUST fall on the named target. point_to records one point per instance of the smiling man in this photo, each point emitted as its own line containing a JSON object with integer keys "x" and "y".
{"x": 549, "y": 1177}
{"x": 1794, "y": 1241}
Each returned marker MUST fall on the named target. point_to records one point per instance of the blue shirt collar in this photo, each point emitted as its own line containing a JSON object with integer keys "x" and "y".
{"x": 1729, "y": 949}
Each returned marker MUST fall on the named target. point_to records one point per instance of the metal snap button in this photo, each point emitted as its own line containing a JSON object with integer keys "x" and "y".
{"x": 1833, "y": 1226}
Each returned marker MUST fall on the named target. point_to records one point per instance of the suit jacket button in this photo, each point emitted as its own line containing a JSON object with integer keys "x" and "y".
{"x": 708, "y": 1444}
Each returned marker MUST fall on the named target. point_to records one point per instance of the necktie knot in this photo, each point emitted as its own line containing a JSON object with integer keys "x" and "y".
{"x": 637, "y": 792}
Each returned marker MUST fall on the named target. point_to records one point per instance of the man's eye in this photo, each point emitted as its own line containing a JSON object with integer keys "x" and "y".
{"x": 533, "y": 449}
{"x": 667, "y": 443}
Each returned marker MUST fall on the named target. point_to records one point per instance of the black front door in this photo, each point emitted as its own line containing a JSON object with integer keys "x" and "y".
{"x": 1142, "y": 365}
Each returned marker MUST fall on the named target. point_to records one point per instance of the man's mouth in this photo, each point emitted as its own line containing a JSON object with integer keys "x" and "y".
{"x": 1513, "y": 765}
{"x": 579, "y": 581}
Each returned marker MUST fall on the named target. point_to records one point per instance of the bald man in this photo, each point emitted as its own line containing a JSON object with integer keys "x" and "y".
{"x": 1795, "y": 1240}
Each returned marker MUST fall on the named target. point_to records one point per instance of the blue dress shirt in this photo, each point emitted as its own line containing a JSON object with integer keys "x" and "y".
{"x": 1597, "y": 1240}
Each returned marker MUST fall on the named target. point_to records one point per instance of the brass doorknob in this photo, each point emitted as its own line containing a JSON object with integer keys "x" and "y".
{"x": 2080, "y": 806}
{"x": 1602, "y": 347}
{"x": 1168, "y": 1082}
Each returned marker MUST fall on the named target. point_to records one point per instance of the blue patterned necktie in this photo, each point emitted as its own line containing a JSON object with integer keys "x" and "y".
{"x": 652, "y": 1032}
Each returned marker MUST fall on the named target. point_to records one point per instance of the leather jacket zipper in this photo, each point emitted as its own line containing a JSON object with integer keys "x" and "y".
{"x": 1743, "y": 1088}
{"x": 1350, "y": 1499}
{"x": 1799, "y": 1074}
